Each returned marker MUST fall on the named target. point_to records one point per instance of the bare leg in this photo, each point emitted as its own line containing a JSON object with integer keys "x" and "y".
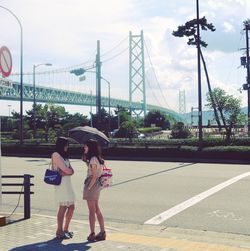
{"x": 91, "y": 206}
{"x": 69, "y": 214}
{"x": 99, "y": 217}
{"x": 60, "y": 218}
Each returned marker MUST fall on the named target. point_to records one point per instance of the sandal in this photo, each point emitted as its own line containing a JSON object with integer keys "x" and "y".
{"x": 63, "y": 236}
{"x": 70, "y": 234}
{"x": 91, "y": 237}
{"x": 101, "y": 236}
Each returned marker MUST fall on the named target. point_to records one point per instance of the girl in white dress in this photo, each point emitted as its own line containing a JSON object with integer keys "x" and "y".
{"x": 64, "y": 193}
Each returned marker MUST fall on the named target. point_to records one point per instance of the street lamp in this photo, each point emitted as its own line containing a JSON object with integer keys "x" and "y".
{"x": 34, "y": 92}
{"x": 34, "y": 80}
{"x": 21, "y": 72}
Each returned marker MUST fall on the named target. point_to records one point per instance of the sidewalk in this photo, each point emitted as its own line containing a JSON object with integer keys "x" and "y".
{"x": 38, "y": 233}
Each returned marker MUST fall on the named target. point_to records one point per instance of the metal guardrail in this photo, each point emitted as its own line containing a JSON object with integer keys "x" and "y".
{"x": 26, "y": 190}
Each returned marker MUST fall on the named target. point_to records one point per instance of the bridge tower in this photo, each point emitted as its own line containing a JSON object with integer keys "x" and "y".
{"x": 182, "y": 102}
{"x": 137, "y": 72}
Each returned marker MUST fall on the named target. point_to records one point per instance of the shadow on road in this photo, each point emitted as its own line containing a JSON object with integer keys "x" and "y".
{"x": 152, "y": 174}
{"x": 53, "y": 244}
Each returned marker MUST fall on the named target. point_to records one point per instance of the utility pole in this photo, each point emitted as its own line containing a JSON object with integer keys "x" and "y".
{"x": 91, "y": 121}
{"x": 247, "y": 27}
{"x": 199, "y": 78}
{"x": 245, "y": 61}
{"x": 98, "y": 84}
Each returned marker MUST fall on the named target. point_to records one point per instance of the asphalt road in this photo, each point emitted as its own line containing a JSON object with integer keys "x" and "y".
{"x": 143, "y": 190}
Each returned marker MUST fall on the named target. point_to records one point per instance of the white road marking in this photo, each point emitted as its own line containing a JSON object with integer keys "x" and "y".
{"x": 158, "y": 219}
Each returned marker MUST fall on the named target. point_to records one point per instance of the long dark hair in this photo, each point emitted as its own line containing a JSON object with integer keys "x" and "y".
{"x": 61, "y": 142}
{"x": 94, "y": 151}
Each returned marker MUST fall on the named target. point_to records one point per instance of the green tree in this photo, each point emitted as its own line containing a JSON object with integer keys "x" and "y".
{"x": 121, "y": 115}
{"x": 190, "y": 30}
{"x": 16, "y": 119}
{"x": 46, "y": 117}
{"x": 103, "y": 124}
{"x": 34, "y": 118}
{"x": 179, "y": 131}
{"x": 169, "y": 121}
{"x": 155, "y": 117}
{"x": 73, "y": 120}
{"x": 16, "y": 126}
{"x": 51, "y": 116}
{"x": 246, "y": 22}
{"x": 229, "y": 106}
{"x": 7, "y": 124}
{"x": 127, "y": 130}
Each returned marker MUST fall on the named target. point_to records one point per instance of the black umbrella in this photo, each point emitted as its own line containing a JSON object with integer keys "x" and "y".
{"x": 83, "y": 133}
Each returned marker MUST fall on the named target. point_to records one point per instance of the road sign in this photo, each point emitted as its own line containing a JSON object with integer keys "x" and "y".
{"x": 5, "y": 61}
{"x": 6, "y": 83}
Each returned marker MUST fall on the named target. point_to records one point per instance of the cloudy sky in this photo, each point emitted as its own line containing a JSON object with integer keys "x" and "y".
{"x": 64, "y": 33}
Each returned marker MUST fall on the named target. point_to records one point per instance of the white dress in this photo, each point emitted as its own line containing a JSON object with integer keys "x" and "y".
{"x": 64, "y": 193}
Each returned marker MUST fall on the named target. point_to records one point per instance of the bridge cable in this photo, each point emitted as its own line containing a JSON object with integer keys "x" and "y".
{"x": 107, "y": 52}
{"x": 115, "y": 56}
{"x": 147, "y": 80}
{"x": 150, "y": 61}
{"x": 153, "y": 92}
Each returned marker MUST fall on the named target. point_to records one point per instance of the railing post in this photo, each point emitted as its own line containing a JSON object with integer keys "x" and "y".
{"x": 26, "y": 183}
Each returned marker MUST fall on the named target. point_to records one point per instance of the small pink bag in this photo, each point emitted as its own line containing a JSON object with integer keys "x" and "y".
{"x": 106, "y": 177}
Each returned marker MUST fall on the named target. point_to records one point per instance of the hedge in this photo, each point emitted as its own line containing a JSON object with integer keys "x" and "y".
{"x": 145, "y": 152}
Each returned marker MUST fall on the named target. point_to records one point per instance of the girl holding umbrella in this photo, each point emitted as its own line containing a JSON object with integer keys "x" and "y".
{"x": 92, "y": 188}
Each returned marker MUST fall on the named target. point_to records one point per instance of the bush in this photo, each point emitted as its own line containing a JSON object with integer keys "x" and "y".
{"x": 179, "y": 132}
{"x": 6, "y": 135}
{"x": 149, "y": 129}
{"x": 222, "y": 149}
{"x": 27, "y": 134}
{"x": 40, "y": 134}
{"x": 127, "y": 130}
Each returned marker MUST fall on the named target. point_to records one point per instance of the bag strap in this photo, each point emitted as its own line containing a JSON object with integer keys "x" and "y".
{"x": 69, "y": 163}
{"x": 51, "y": 163}
{"x": 104, "y": 167}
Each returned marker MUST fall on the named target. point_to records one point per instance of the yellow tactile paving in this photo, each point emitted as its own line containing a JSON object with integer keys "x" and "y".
{"x": 182, "y": 245}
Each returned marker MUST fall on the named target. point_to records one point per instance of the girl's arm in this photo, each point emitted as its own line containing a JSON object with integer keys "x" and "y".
{"x": 93, "y": 168}
{"x": 71, "y": 168}
{"x": 58, "y": 162}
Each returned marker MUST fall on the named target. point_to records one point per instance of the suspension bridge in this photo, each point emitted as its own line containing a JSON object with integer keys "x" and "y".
{"x": 62, "y": 86}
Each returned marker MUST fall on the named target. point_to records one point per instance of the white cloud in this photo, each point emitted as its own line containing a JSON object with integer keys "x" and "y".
{"x": 228, "y": 27}
{"x": 216, "y": 4}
